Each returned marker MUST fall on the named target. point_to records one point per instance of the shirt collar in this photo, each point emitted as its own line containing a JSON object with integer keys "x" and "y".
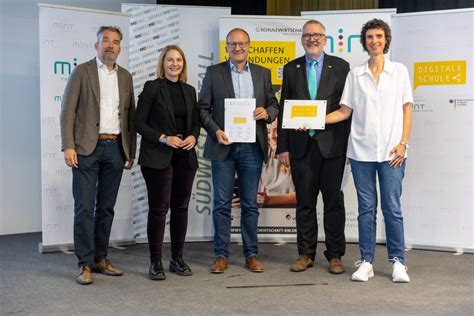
{"x": 234, "y": 68}
{"x": 100, "y": 65}
{"x": 320, "y": 59}
{"x": 388, "y": 67}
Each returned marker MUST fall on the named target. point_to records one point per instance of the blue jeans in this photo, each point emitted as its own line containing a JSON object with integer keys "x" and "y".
{"x": 245, "y": 159}
{"x": 390, "y": 181}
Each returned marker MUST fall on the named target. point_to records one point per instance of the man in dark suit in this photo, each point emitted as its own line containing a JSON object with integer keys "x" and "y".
{"x": 316, "y": 157}
{"x": 236, "y": 78}
{"x": 98, "y": 137}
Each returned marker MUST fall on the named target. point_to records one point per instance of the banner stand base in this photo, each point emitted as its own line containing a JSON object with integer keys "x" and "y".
{"x": 70, "y": 247}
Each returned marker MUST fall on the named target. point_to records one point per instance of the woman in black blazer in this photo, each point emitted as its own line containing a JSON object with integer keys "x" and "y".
{"x": 167, "y": 118}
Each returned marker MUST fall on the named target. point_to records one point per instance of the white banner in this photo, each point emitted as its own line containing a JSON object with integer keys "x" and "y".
{"x": 437, "y": 48}
{"x": 274, "y": 42}
{"x": 67, "y": 36}
{"x": 195, "y": 30}
{"x": 343, "y": 30}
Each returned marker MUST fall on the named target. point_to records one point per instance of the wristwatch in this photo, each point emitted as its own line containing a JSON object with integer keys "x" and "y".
{"x": 406, "y": 145}
{"x": 164, "y": 139}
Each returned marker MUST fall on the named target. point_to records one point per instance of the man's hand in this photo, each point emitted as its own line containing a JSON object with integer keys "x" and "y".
{"x": 70, "y": 157}
{"x": 189, "y": 142}
{"x": 222, "y": 138}
{"x": 129, "y": 164}
{"x": 284, "y": 158}
{"x": 260, "y": 114}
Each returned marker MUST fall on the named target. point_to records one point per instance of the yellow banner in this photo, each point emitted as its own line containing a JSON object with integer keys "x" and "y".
{"x": 272, "y": 55}
{"x": 435, "y": 73}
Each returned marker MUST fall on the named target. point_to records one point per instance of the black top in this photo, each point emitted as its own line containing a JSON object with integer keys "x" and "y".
{"x": 155, "y": 116}
{"x": 179, "y": 105}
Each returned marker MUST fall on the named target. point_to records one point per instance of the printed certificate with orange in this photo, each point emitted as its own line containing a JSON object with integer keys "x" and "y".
{"x": 310, "y": 114}
{"x": 240, "y": 126}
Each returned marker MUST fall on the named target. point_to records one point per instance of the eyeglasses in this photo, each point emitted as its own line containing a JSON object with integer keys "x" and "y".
{"x": 240, "y": 44}
{"x": 308, "y": 36}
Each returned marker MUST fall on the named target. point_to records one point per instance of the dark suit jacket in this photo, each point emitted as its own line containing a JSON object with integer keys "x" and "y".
{"x": 155, "y": 116}
{"x": 217, "y": 86}
{"x": 80, "y": 110}
{"x": 332, "y": 141}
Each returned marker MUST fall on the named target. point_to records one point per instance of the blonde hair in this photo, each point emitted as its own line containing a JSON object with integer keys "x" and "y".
{"x": 160, "y": 69}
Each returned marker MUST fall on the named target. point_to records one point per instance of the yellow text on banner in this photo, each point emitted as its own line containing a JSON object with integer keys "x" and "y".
{"x": 270, "y": 54}
{"x": 436, "y": 73}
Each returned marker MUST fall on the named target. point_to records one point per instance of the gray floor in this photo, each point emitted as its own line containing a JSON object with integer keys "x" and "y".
{"x": 40, "y": 284}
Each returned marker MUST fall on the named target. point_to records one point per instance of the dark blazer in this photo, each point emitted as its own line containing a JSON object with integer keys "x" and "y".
{"x": 332, "y": 141}
{"x": 80, "y": 110}
{"x": 155, "y": 116}
{"x": 217, "y": 86}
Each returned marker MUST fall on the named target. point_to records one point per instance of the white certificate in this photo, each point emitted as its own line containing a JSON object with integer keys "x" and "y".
{"x": 240, "y": 126}
{"x": 310, "y": 114}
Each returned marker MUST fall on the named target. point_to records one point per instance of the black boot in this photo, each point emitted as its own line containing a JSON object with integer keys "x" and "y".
{"x": 178, "y": 266}
{"x": 156, "y": 271}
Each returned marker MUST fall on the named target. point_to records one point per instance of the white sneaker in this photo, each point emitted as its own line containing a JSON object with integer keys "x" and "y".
{"x": 364, "y": 273}
{"x": 399, "y": 274}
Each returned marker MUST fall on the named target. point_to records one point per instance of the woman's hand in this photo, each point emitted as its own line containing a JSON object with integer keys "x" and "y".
{"x": 398, "y": 153}
{"x": 174, "y": 141}
{"x": 189, "y": 142}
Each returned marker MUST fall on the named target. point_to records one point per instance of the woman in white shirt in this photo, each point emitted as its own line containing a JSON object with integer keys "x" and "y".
{"x": 378, "y": 94}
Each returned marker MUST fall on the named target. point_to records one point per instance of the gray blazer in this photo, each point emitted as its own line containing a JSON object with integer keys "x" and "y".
{"x": 80, "y": 110}
{"x": 216, "y": 86}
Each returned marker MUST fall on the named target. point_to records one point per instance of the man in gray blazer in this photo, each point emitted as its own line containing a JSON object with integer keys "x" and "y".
{"x": 98, "y": 140}
{"x": 236, "y": 78}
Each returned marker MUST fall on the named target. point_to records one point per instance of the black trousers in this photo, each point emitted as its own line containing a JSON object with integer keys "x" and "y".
{"x": 168, "y": 188}
{"x": 95, "y": 185}
{"x": 311, "y": 174}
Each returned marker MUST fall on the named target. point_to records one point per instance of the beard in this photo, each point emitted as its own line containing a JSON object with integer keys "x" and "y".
{"x": 109, "y": 58}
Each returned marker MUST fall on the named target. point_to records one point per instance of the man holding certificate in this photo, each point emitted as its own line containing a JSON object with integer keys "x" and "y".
{"x": 316, "y": 156}
{"x": 236, "y": 96}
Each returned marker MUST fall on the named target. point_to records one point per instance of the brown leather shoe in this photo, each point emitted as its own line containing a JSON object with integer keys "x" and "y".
{"x": 105, "y": 267}
{"x": 301, "y": 264}
{"x": 85, "y": 276}
{"x": 219, "y": 265}
{"x": 253, "y": 265}
{"x": 335, "y": 266}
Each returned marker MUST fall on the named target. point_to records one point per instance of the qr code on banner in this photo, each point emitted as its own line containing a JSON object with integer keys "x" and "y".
{"x": 280, "y": 72}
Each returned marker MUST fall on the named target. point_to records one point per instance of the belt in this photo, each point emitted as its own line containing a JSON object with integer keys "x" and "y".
{"x": 108, "y": 136}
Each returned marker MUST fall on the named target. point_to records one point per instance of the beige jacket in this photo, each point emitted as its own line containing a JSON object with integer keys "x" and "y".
{"x": 80, "y": 110}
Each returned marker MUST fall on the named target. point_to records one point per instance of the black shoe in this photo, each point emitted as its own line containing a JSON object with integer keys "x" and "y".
{"x": 180, "y": 267}
{"x": 156, "y": 271}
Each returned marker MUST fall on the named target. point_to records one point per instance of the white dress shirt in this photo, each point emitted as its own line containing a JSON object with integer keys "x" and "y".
{"x": 109, "y": 99}
{"x": 377, "y": 117}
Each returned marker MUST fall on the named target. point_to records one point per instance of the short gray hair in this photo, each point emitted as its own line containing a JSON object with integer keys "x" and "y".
{"x": 104, "y": 28}
{"x": 315, "y": 22}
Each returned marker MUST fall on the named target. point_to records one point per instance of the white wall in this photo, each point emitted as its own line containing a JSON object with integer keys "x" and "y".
{"x": 20, "y": 182}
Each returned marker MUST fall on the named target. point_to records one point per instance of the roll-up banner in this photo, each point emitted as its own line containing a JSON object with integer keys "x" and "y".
{"x": 196, "y": 30}
{"x": 437, "y": 48}
{"x": 67, "y": 36}
{"x": 275, "y": 41}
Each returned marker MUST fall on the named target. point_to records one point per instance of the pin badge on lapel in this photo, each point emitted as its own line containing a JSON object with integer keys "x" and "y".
{"x": 329, "y": 66}
{"x": 298, "y": 66}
